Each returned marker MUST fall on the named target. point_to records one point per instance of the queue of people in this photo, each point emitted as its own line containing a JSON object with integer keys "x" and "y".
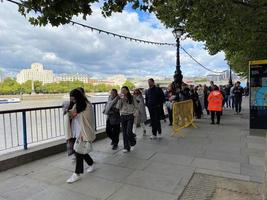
{"x": 127, "y": 111}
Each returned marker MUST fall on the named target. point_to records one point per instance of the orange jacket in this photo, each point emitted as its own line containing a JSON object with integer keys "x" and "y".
{"x": 215, "y": 100}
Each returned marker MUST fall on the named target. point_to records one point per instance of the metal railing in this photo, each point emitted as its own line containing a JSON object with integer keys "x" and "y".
{"x": 22, "y": 127}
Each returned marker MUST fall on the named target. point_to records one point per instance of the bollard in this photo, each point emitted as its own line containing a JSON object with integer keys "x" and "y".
{"x": 24, "y": 128}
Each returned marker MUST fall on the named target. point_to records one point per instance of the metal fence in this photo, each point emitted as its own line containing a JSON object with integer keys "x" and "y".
{"x": 23, "y": 127}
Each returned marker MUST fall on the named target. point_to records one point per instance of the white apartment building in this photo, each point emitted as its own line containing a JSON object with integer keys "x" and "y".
{"x": 85, "y": 78}
{"x": 36, "y": 73}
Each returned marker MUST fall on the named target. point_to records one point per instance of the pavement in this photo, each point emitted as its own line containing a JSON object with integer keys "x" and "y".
{"x": 156, "y": 169}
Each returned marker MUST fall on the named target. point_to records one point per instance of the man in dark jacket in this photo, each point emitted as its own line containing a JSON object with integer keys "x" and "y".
{"x": 154, "y": 100}
{"x": 238, "y": 93}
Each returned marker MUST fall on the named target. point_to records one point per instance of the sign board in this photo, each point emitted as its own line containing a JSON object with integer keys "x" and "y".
{"x": 258, "y": 94}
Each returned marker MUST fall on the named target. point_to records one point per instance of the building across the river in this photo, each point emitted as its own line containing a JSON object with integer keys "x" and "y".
{"x": 36, "y": 73}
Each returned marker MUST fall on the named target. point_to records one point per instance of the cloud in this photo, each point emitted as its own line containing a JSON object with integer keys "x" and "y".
{"x": 72, "y": 49}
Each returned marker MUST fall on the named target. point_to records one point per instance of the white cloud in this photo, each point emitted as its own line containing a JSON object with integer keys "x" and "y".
{"x": 71, "y": 49}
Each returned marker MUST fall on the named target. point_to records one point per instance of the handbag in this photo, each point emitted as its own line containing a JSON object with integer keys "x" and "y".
{"x": 83, "y": 147}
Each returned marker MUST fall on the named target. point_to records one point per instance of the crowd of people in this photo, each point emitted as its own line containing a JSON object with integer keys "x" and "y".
{"x": 126, "y": 111}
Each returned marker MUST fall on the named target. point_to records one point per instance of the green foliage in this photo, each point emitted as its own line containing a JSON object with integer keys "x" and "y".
{"x": 129, "y": 84}
{"x": 237, "y": 27}
{"x": 10, "y": 86}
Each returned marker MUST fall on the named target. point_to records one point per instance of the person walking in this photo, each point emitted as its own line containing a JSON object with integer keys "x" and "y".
{"x": 238, "y": 93}
{"x": 113, "y": 118}
{"x": 81, "y": 126}
{"x": 206, "y": 96}
{"x": 215, "y": 100}
{"x": 128, "y": 109}
{"x": 232, "y": 97}
{"x": 141, "y": 118}
{"x": 154, "y": 102}
{"x": 170, "y": 96}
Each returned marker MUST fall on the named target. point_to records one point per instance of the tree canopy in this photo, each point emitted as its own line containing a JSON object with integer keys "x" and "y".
{"x": 11, "y": 86}
{"x": 237, "y": 27}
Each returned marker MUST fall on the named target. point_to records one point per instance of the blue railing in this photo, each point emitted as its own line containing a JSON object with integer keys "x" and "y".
{"x": 20, "y": 128}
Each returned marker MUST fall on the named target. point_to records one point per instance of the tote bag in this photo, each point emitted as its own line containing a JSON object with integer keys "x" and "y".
{"x": 83, "y": 147}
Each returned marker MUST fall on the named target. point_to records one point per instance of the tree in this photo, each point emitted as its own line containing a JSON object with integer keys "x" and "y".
{"x": 9, "y": 86}
{"x": 237, "y": 27}
{"x": 129, "y": 84}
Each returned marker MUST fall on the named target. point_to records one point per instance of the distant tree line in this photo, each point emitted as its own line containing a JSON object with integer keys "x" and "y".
{"x": 10, "y": 86}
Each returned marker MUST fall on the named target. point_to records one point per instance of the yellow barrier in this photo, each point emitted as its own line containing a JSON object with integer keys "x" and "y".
{"x": 183, "y": 116}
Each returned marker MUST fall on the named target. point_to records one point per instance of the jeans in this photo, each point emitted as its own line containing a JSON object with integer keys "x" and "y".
{"x": 155, "y": 120}
{"x": 79, "y": 162}
{"x": 113, "y": 132}
{"x": 127, "y": 129}
{"x": 238, "y": 103}
{"x": 218, "y": 115}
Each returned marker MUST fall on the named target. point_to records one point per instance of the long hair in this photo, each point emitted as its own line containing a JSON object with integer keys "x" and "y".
{"x": 128, "y": 95}
{"x": 81, "y": 100}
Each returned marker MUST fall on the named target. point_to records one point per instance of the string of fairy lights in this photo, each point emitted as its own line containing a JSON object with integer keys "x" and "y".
{"x": 131, "y": 39}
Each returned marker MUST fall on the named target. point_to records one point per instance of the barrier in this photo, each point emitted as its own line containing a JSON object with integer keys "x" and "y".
{"x": 183, "y": 116}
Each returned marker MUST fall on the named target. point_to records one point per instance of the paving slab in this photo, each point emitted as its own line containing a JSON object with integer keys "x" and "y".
{"x": 111, "y": 172}
{"x": 94, "y": 187}
{"x": 18, "y": 187}
{"x": 126, "y": 161}
{"x": 256, "y": 173}
{"x": 172, "y": 158}
{"x": 128, "y": 192}
{"x": 232, "y": 167}
{"x": 169, "y": 169}
{"x": 153, "y": 181}
{"x": 258, "y": 161}
{"x": 56, "y": 193}
{"x": 51, "y": 175}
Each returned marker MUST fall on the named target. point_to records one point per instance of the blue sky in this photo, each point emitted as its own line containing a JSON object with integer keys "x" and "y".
{"x": 72, "y": 49}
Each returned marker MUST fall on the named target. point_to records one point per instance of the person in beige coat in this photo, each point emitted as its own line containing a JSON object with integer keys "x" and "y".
{"x": 79, "y": 125}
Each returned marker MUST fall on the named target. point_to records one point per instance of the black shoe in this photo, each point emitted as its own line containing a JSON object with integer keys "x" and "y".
{"x": 218, "y": 123}
{"x": 212, "y": 123}
{"x": 170, "y": 124}
{"x": 115, "y": 147}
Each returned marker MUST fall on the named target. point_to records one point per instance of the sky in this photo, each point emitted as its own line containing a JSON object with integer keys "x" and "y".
{"x": 73, "y": 49}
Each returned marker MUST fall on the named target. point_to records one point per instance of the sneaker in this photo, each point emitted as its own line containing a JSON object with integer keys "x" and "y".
{"x": 159, "y": 136}
{"x": 125, "y": 151}
{"x": 74, "y": 177}
{"x": 152, "y": 137}
{"x": 90, "y": 169}
{"x": 132, "y": 148}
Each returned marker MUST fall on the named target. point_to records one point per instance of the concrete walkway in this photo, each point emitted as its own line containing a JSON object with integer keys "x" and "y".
{"x": 155, "y": 170}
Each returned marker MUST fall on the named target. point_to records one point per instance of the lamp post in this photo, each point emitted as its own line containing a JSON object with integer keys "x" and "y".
{"x": 178, "y": 77}
{"x": 230, "y": 78}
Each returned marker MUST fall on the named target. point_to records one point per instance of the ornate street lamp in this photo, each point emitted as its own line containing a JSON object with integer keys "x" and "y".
{"x": 230, "y": 78}
{"x": 178, "y": 77}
